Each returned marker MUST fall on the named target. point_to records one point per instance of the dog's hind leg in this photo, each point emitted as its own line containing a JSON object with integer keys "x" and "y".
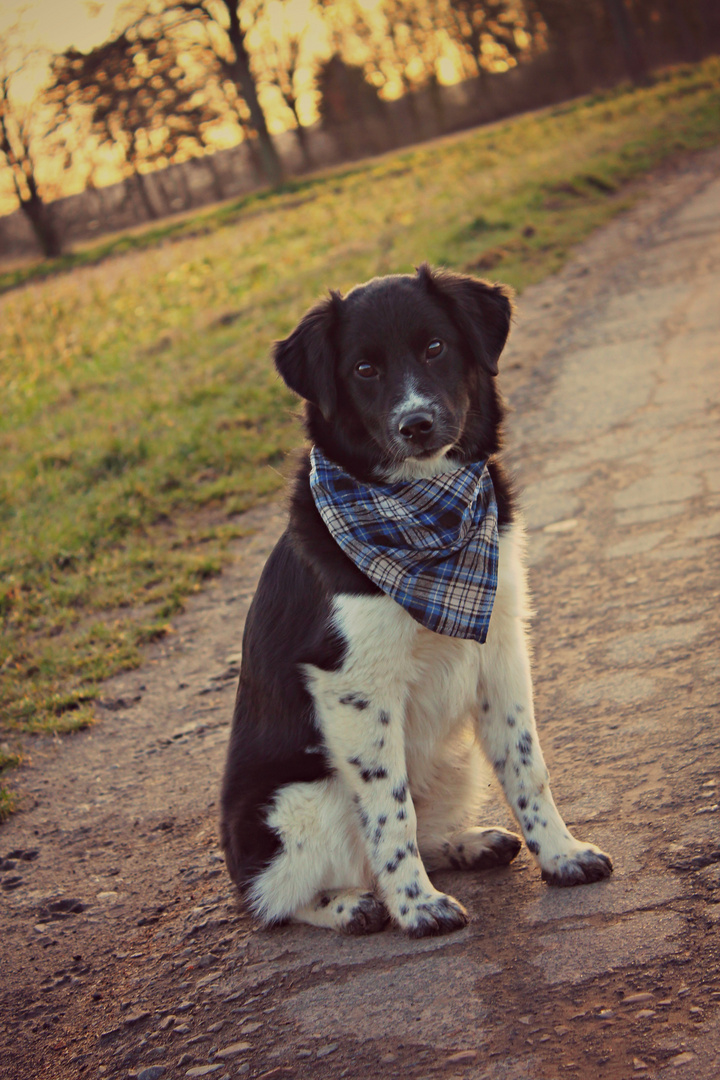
{"x": 506, "y": 729}
{"x": 319, "y": 874}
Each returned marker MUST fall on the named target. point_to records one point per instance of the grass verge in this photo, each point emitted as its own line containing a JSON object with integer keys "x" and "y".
{"x": 139, "y": 414}
{"x": 7, "y": 799}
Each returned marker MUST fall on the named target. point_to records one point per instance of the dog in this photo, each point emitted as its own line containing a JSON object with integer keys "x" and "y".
{"x": 361, "y": 738}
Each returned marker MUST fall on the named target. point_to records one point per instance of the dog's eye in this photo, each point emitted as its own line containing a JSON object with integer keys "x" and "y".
{"x": 365, "y": 370}
{"x": 435, "y": 348}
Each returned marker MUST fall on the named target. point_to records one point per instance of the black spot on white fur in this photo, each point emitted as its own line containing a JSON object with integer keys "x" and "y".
{"x": 392, "y": 865}
{"x": 368, "y": 773}
{"x": 355, "y": 700}
{"x": 524, "y": 744}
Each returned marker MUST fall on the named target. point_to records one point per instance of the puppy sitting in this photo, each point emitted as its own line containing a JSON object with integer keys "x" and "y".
{"x": 385, "y": 647}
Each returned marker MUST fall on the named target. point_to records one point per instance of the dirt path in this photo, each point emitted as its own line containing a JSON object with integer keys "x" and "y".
{"x": 122, "y": 949}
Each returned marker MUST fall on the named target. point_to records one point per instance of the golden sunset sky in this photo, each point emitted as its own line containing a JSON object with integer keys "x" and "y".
{"x": 55, "y": 25}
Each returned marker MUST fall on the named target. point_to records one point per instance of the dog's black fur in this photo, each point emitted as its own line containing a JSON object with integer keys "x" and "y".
{"x": 386, "y": 327}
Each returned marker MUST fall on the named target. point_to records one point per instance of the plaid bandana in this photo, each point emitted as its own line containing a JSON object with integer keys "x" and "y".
{"x": 432, "y": 545}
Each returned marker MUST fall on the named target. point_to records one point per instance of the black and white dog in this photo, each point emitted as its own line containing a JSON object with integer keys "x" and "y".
{"x": 355, "y": 762}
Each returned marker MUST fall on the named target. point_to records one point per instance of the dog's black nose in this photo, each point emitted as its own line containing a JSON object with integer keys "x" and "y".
{"x": 416, "y": 426}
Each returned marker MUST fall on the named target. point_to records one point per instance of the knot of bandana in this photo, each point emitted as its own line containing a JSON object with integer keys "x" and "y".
{"x": 432, "y": 545}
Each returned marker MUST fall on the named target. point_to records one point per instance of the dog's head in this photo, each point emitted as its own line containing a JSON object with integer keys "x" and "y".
{"x": 399, "y": 374}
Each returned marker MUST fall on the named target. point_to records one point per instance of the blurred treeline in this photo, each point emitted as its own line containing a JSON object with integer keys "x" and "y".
{"x": 185, "y": 76}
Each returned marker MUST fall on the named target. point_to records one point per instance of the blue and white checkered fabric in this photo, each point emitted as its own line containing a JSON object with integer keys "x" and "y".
{"x": 432, "y": 545}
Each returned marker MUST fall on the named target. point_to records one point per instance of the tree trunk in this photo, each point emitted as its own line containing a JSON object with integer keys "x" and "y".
{"x": 434, "y": 91}
{"x": 682, "y": 22}
{"x": 145, "y": 199}
{"x": 184, "y": 185}
{"x": 301, "y": 135}
{"x": 627, "y": 40}
{"x": 244, "y": 80}
{"x": 215, "y": 177}
{"x": 387, "y": 116}
{"x": 410, "y": 102}
{"x": 43, "y": 226}
{"x": 256, "y": 163}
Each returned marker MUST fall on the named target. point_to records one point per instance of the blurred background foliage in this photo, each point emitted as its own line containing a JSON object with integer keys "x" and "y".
{"x": 192, "y": 101}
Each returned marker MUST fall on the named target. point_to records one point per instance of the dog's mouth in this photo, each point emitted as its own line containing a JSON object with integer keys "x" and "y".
{"x": 429, "y": 453}
{"x": 418, "y": 463}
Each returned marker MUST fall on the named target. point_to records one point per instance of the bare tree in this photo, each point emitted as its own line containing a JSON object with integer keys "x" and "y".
{"x": 579, "y": 34}
{"x": 346, "y": 101}
{"x": 397, "y": 44}
{"x": 225, "y": 34}
{"x": 282, "y": 56}
{"x": 627, "y": 39}
{"x": 25, "y": 137}
{"x": 400, "y": 43}
{"x": 139, "y": 97}
{"x": 480, "y": 25}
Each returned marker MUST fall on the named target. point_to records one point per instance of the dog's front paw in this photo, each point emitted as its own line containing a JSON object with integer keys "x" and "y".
{"x": 432, "y": 914}
{"x": 579, "y": 867}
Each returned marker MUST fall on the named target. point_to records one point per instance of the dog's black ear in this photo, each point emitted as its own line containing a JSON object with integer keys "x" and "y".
{"x": 305, "y": 360}
{"x": 482, "y": 311}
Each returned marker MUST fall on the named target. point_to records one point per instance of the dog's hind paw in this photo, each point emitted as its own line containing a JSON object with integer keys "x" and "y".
{"x": 476, "y": 849}
{"x": 580, "y": 868}
{"x": 367, "y": 915}
{"x": 348, "y": 911}
{"x": 438, "y": 914}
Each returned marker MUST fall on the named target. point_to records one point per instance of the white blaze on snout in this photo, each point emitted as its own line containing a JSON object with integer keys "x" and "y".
{"x": 412, "y": 401}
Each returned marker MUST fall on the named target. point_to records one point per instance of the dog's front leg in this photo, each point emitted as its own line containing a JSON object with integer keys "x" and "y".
{"x": 361, "y": 710}
{"x": 506, "y": 729}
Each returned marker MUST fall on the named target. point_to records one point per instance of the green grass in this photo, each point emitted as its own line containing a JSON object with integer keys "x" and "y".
{"x": 7, "y": 799}
{"x": 139, "y": 413}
